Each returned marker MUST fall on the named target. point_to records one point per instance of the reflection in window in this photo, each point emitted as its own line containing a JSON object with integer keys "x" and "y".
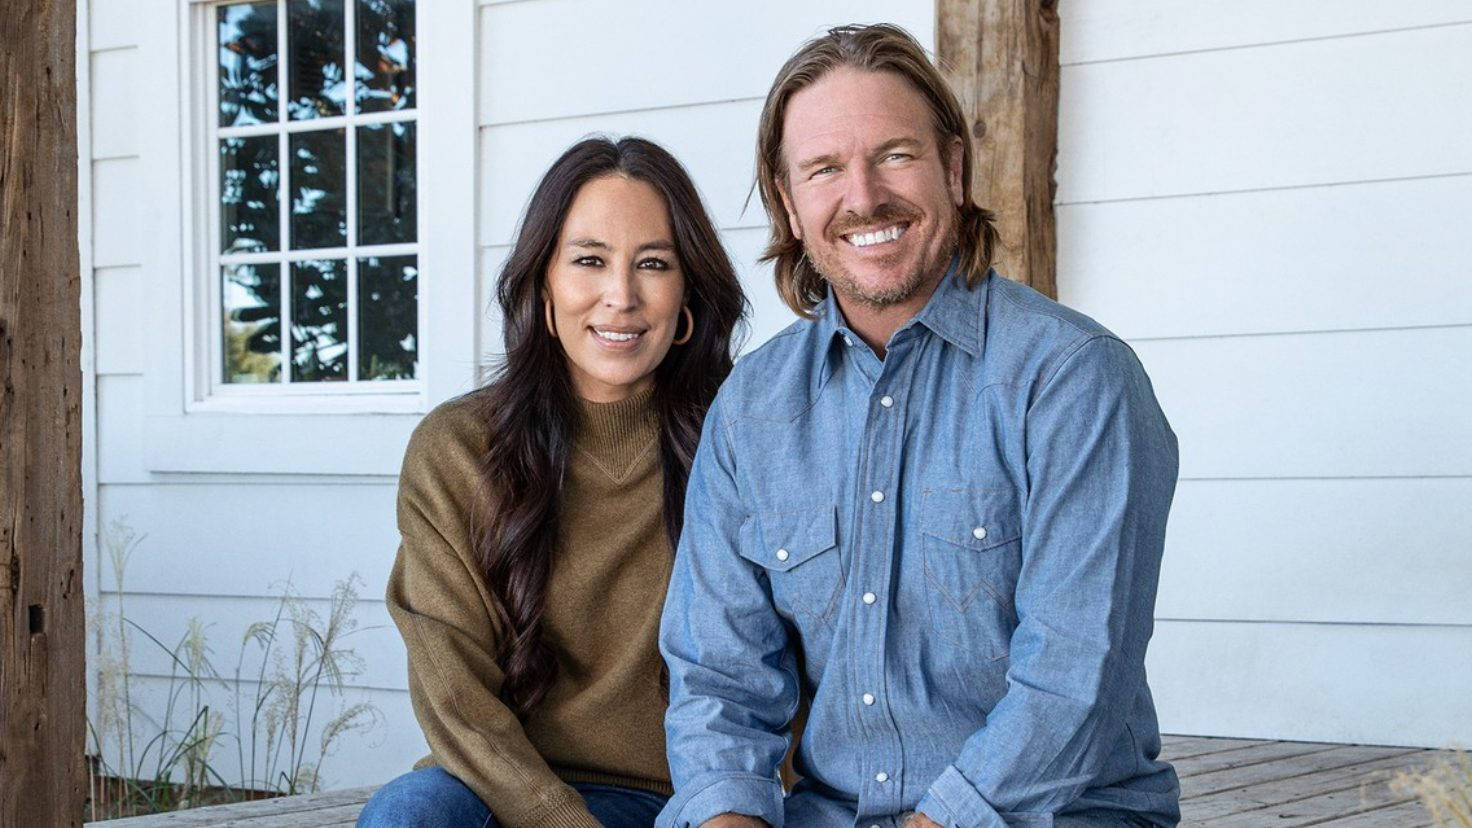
{"x": 249, "y": 179}
{"x": 314, "y": 44}
{"x": 385, "y": 67}
{"x": 247, "y": 38}
{"x": 252, "y": 299}
{"x": 387, "y": 206}
{"x": 319, "y": 320}
{"x": 316, "y": 189}
{"x": 387, "y": 295}
{"x": 319, "y": 210}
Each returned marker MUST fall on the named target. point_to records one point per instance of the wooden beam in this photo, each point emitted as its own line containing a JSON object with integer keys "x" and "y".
{"x": 42, "y": 687}
{"x": 1001, "y": 57}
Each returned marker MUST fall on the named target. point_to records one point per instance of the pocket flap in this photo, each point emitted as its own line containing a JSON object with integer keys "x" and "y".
{"x": 972, "y": 518}
{"x": 791, "y": 537}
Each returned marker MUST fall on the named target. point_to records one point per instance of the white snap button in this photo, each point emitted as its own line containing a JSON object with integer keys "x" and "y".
{"x": 881, "y": 777}
{"x": 868, "y": 698}
{"x": 782, "y": 554}
{"x": 870, "y": 597}
{"x": 979, "y": 533}
{"x": 877, "y": 497}
{"x": 848, "y": 342}
{"x": 886, "y": 401}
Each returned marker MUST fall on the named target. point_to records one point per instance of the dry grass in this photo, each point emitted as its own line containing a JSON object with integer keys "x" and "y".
{"x": 1445, "y": 790}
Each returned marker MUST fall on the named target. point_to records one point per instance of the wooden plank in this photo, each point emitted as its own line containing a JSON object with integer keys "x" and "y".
{"x": 1174, "y": 267}
{"x": 114, "y": 100}
{"x": 521, "y": 79}
{"x": 1123, "y": 29}
{"x": 1405, "y": 815}
{"x": 1315, "y": 550}
{"x": 1213, "y": 808}
{"x": 1369, "y": 796}
{"x": 1283, "y": 116}
{"x": 116, "y": 238}
{"x": 258, "y": 812}
{"x": 1001, "y": 57}
{"x": 1328, "y": 682}
{"x": 42, "y": 661}
{"x": 113, "y": 24}
{"x": 1214, "y": 763}
{"x": 1353, "y": 404}
{"x": 1176, "y": 748}
{"x": 347, "y": 527}
{"x": 120, "y": 403}
{"x": 714, "y": 142}
{"x": 118, "y": 346}
{"x": 1295, "y": 759}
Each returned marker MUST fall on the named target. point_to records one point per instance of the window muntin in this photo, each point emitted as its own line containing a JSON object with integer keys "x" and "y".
{"x": 326, "y": 240}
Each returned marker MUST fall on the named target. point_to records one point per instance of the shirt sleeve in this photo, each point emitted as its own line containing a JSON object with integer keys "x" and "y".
{"x": 1101, "y": 466}
{"x": 440, "y": 606}
{"x": 733, "y": 676}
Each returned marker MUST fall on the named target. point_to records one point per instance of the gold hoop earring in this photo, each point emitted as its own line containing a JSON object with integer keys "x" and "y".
{"x": 551, "y": 324}
{"x": 690, "y": 331}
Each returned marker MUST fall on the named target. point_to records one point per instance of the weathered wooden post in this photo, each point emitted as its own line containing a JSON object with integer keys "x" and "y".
{"x": 42, "y": 678}
{"x": 1001, "y": 57}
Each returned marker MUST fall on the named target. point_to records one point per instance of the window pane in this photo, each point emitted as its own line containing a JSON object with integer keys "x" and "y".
{"x": 319, "y": 320}
{"x": 387, "y": 207}
{"x": 248, "y": 60}
{"x": 314, "y": 47}
{"x": 385, "y": 69}
{"x": 251, "y": 299}
{"x": 319, "y": 213}
{"x": 388, "y": 317}
{"x": 250, "y": 215}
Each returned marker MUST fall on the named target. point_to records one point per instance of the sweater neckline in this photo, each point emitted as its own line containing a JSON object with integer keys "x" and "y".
{"x": 617, "y": 434}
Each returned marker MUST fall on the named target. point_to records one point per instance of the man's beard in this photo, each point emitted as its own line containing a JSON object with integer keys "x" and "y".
{"x": 830, "y": 266}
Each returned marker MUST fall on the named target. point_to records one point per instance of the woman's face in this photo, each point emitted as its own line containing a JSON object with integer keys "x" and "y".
{"x": 616, "y": 287}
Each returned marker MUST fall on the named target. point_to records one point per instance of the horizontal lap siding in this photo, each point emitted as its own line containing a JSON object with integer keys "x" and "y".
{"x": 1360, "y": 684}
{"x": 690, "y": 76}
{"x": 1264, "y": 208}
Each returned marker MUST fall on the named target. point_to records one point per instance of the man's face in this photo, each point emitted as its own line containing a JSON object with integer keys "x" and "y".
{"x": 868, "y": 189}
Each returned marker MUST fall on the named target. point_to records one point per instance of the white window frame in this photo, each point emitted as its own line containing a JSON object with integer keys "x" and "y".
{"x": 196, "y": 426}
{"x": 208, "y": 336}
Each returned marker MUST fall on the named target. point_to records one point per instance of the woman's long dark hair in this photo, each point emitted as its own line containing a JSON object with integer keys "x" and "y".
{"x": 529, "y": 405}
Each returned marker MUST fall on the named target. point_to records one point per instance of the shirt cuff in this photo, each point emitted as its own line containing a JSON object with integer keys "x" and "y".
{"x": 954, "y": 802}
{"x": 746, "y": 794}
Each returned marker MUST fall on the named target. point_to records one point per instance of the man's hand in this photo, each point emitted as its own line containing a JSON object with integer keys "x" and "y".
{"x": 734, "y": 821}
{"x": 919, "y": 820}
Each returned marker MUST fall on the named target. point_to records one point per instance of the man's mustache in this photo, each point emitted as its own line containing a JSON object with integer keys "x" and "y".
{"x": 883, "y": 214}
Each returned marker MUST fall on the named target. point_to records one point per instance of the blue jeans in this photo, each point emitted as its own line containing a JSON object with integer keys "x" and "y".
{"x": 432, "y": 797}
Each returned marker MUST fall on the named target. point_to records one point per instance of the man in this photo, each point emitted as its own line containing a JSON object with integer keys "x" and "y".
{"x": 933, "y": 512}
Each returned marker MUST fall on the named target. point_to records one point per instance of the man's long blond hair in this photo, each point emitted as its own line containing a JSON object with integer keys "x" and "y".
{"x": 881, "y": 47}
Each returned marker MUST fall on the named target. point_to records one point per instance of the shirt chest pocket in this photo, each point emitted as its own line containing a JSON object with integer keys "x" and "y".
{"x": 799, "y": 551}
{"x": 971, "y": 541}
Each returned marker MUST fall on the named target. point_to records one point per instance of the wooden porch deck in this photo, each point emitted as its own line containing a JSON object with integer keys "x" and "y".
{"x": 1224, "y": 783}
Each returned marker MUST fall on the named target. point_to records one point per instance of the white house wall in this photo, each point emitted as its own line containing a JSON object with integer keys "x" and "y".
{"x": 1262, "y": 203}
{"x": 1264, "y": 199}
{"x": 220, "y": 546}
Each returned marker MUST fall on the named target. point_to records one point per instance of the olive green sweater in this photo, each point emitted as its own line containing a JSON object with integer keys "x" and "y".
{"x": 603, "y": 719}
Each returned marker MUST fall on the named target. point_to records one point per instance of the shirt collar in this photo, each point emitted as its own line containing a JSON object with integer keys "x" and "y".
{"x": 953, "y": 312}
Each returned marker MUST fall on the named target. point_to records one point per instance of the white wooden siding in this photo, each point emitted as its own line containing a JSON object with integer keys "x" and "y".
{"x": 220, "y": 543}
{"x": 1350, "y": 256}
{"x": 1100, "y": 30}
{"x": 1262, "y": 202}
{"x": 1352, "y": 683}
{"x": 690, "y": 76}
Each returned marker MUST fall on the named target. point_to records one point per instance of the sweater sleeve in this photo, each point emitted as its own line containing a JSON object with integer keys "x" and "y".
{"x": 438, "y": 600}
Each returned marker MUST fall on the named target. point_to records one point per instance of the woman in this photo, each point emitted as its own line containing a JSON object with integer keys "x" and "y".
{"x": 539, "y": 513}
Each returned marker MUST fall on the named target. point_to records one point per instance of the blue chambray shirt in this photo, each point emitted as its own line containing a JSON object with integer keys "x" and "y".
{"x": 950, "y": 554}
